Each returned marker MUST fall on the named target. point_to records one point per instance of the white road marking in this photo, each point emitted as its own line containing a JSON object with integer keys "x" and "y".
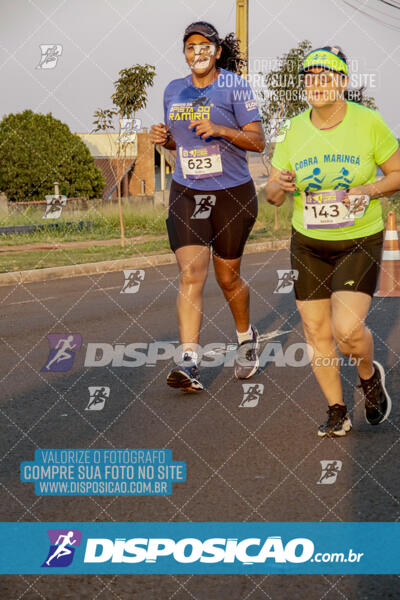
{"x": 262, "y": 338}
{"x": 260, "y": 263}
{"x": 273, "y": 334}
{"x": 32, "y": 300}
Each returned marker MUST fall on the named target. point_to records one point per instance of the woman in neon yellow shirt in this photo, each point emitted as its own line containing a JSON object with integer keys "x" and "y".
{"x": 328, "y": 159}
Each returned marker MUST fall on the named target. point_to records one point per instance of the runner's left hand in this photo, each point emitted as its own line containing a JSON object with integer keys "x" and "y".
{"x": 360, "y": 190}
{"x": 205, "y": 128}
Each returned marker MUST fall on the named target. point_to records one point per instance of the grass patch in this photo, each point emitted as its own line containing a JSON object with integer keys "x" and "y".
{"x": 41, "y": 259}
{"x": 264, "y": 226}
{"x": 105, "y": 225}
{"x": 138, "y": 222}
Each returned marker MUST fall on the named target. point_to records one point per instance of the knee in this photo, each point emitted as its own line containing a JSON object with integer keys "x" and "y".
{"x": 193, "y": 275}
{"x": 317, "y": 331}
{"x": 228, "y": 280}
{"x": 348, "y": 332}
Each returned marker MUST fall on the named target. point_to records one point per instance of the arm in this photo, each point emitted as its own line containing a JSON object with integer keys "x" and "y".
{"x": 388, "y": 185}
{"x": 171, "y": 144}
{"x": 279, "y": 184}
{"x": 248, "y": 137}
{"x": 161, "y": 134}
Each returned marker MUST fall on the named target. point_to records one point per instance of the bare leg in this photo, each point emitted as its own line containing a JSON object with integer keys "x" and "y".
{"x": 316, "y": 317}
{"x": 349, "y": 311}
{"x": 234, "y": 288}
{"x": 193, "y": 264}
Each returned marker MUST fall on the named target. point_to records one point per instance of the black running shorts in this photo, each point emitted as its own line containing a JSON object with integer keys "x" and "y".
{"x": 222, "y": 219}
{"x": 325, "y": 267}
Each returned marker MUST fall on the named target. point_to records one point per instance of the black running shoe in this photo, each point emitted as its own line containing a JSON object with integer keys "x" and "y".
{"x": 246, "y": 361}
{"x": 185, "y": 376}
{"x": 337, "y": 423}
{"x": 377, "y": 401}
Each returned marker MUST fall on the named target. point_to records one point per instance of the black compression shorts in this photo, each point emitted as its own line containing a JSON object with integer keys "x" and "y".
{"x": 222, "y": 219}
{"x": 325, "y": 267}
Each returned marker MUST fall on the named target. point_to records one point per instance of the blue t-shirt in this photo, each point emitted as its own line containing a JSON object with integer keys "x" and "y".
{"x": 228, "y": 101}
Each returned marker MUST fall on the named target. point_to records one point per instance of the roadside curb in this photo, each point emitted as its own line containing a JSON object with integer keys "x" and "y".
{"x": 108, "y": 266}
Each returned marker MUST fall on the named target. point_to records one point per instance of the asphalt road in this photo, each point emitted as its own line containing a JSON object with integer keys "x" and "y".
{"x": 259, "y": 463}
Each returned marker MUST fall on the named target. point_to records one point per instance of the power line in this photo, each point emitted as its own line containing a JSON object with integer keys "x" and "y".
{"x": 374, "y": 18}
{"x": 390, "y": 4}
{"x": 381, "y": 12}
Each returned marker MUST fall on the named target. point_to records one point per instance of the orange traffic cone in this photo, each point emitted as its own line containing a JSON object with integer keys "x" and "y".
{"x": 389, "y": 282}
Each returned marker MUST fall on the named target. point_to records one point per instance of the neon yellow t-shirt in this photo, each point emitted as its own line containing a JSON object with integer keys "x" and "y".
{"x": 340, "y": 158}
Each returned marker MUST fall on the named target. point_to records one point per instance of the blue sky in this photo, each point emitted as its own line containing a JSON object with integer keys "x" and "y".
{"x": 100, "y": 37}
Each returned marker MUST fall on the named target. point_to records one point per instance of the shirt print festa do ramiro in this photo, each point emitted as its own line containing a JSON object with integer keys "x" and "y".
{"x": 228, "y": 101}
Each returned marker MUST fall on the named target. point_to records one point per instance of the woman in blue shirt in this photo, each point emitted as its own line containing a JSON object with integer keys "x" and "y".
{"x": 211, "y": 119}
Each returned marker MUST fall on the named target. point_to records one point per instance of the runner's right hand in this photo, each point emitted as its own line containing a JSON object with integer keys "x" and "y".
{"x": 287, "y": 180}
{"x": 159, "y": 134}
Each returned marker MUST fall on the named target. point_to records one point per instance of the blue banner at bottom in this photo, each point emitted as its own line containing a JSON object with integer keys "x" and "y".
{"x": 192, "y": 548}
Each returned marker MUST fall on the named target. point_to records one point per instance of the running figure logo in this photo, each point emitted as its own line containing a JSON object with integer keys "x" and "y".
{"x": 204, "y": 204}
{"x": 62, "y": 351}
{"x": 280, "y": 128}
{"x": 128, "y": 129}
{"x": 286, "y": 279}
{"x": 200, "y": 101}
{"x": 330, "y": 470}
{"x": 251, "y": 394}
{"x": 343, "y": 181}
{"x": 63, "y": 543}
{"x": 54, "y": 206}
{"x": 98, "y": 397}
{"x": 50, "y": 54}
{"x": 133, "y": 279}
{"x": 315, "y": 181}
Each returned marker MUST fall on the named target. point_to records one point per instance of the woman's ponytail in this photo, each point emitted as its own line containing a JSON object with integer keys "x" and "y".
{"x": 231, "y": 58}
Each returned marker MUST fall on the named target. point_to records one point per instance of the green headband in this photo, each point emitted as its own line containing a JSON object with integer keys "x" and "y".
{"x": 326, "y": 60}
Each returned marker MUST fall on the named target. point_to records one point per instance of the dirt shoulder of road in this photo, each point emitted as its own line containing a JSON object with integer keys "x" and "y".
{"x": 140, "y": 260}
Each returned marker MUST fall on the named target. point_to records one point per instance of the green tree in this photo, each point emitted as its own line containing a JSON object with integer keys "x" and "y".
{"x": 130, "y": 96}
{"x": 36, "y": 150}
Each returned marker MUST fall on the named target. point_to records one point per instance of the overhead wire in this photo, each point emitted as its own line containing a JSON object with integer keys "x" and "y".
{"x": 373, "y": 17}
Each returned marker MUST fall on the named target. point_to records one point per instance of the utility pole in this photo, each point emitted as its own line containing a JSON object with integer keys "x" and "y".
{"x": 242, "y": 29}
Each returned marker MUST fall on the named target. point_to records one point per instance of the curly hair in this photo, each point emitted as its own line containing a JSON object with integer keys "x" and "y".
{"x": 231, "y": 58}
